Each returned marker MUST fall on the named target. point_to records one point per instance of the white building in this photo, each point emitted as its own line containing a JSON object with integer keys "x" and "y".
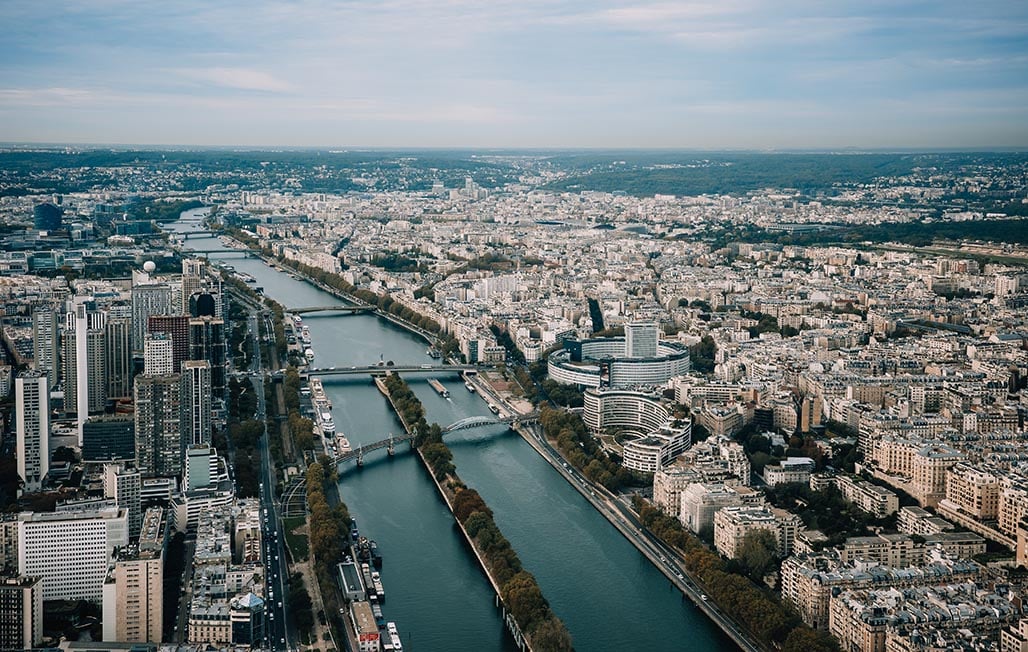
{"x": 69, "y": 550}
{"x": 32, "y": 426}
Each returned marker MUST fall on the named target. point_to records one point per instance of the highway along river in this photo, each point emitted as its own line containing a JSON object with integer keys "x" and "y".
{"x": 608, "y": 594}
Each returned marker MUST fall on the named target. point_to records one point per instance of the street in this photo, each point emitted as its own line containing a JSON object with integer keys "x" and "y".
{"x": 280, "y": 635}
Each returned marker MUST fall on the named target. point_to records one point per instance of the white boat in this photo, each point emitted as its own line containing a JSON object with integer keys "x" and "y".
{"x": 309, "y": 354}
{"x": 343, "y": 444}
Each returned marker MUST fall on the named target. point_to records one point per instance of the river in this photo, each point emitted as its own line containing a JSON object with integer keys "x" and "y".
{"x": 609, "y": 595}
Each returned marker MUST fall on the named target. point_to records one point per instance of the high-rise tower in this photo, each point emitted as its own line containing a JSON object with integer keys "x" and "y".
{"x": 32, "y": 396}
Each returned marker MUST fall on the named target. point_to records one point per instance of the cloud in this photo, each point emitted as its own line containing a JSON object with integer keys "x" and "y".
{"x": 245, "y": 79}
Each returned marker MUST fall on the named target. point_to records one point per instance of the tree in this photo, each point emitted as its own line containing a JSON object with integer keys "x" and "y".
{"x": 804, "y": 639}
{"x": 757, "y": 554}
{"x": 551, "y": 634}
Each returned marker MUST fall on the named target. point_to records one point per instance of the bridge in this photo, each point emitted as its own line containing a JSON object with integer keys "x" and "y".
{"x": 350, "y": 309}
{"x": 464, "y": 424}
{"x": 400, "y": 369}
{"x": 185, "y": 234}
{"x": 245, "y": 253}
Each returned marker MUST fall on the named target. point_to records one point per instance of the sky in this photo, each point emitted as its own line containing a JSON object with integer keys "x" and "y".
{"x": 723, "y": 74}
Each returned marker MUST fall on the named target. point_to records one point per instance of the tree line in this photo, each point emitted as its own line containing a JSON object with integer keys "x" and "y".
{"x": 763, "y": 615}
{"x": 518, "y": 588}
{"x": 570, "y": 434}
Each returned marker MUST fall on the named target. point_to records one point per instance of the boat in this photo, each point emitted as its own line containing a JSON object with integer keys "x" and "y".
{"x": 471, "y": 388}
{"x": 327, "y": 425}
{"x": 343, "y": 443}
{"x": 380, "y": 384}
{"x": 494, "y": 408}
{"x": 309, "y": 354}
{"x": 376, "y": 579}
{"x": 393, "y": 638}
{"x": 438, "y": 387}
{"x": 433, "y": 352}
{"x": 318, "y": 394}
{"x": 376, "y": 556}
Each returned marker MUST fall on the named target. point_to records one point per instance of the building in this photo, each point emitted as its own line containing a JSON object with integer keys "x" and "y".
{"x": 46, "y": 217}
{"x": 865, "y": 619}
{"x": 657, "y": 448}
{"x": 700, "y": 502}
{"x": 809, "y": 581}
{"x": 133, "y": 593}
{"x": 84, "y": 366}
{"x": 149, "y": 299}
{"x": 195, "y": 397}
{"x": 158, "y": 418}
{"x": 158, "y": 357}
{"x": 207, "y": 342}
{"x": 732, "y": 524}
{"x": 363, "y": 621}
{"x": 916, "y": 520}
{"x": 176, "y": 327}
{"x": 246, "y": 613}
{"x": 123, "y": 485}
{"x": 46, "y": 349}
{"x": 791, "y": 469}
{"x": 32, "y": 428}
{"x": 604, "y": 361}
{"x": 109, "y": 439}
{"x": 641, "y": 339}
{"x": 197, "y": 470}
{"x": 623, "y": 409}
{"x": 70, "y": 551}
{"x": 119, "y": 357}
{"x": 21, "y": 612}
{"x": 875, "y": 500}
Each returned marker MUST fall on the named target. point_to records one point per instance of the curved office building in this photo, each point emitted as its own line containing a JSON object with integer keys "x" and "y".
{"x": 623, "y": 409}
{"x": 660, "y": 440}
{"x": 604, "y": 362}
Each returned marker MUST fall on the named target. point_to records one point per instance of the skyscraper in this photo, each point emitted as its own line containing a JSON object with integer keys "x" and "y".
{"x": 207, "y": 342}
{"x": 46, "y": 342}
{"x": 159, "y": 442}
{"x": 196, "y": 402}
{"x": 641, "y": 339}
{"x": 149, "y": 299}
{"x": 119, "y": 357}
{"x": 85, "y": 367}
{"x": 32, "y": 396}
{"x": 177, "y": 328}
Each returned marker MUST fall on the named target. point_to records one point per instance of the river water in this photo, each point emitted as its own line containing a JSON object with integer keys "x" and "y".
{"x": 609, "y": 595}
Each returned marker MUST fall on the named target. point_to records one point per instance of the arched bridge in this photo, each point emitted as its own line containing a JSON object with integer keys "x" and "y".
{"x": 464, "y": 424}
{"x": 340, "y": 308}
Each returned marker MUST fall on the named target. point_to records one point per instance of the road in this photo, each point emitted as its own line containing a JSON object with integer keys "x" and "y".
{"x": 280, "y": 635}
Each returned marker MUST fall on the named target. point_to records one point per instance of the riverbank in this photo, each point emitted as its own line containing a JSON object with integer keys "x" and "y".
{"x": 627, "y": 523}
{"x": 517, "y": 592}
